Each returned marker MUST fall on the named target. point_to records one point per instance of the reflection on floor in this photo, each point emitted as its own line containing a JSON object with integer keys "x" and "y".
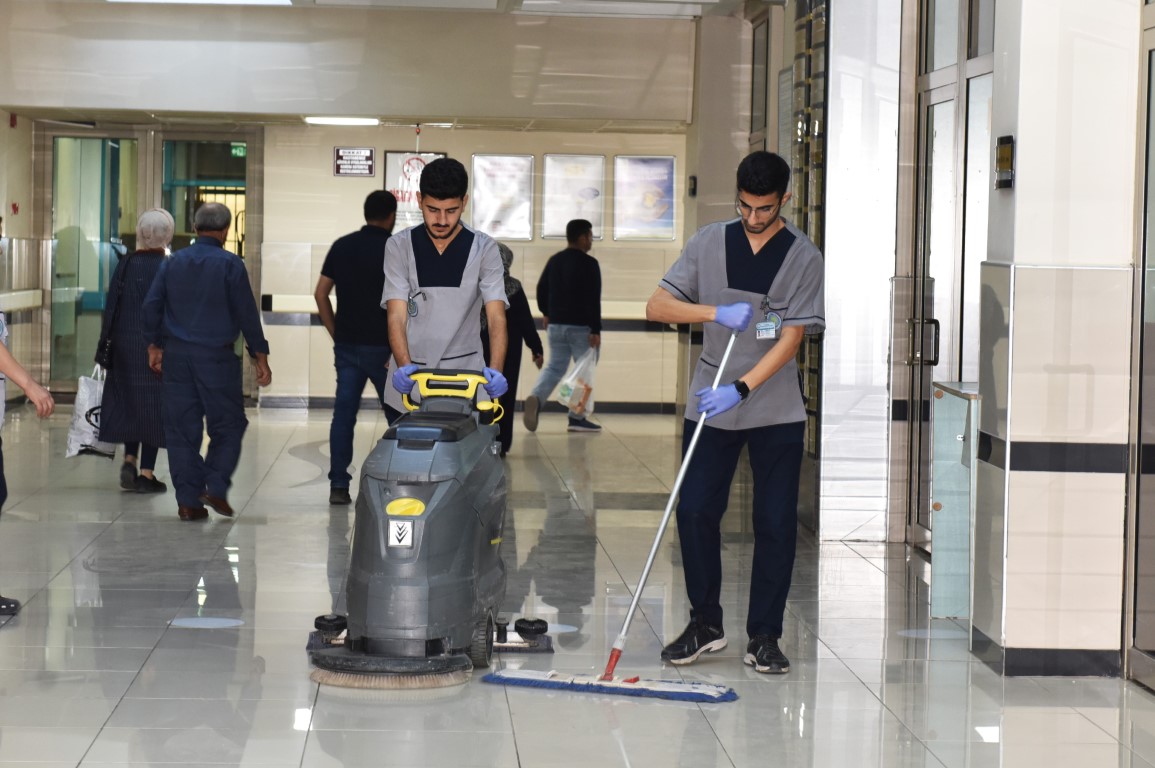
{"x": 147, "y": 641}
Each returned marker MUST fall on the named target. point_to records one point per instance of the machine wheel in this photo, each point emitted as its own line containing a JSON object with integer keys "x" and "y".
{"x": 330, "y": 624}
{"x": 530, "y": 628}
{"x": 481, "y": 644}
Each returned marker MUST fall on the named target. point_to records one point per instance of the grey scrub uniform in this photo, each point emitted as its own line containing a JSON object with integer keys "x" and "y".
{"x": 699, "y": 276}
{"x": 444, "y": 323}
{"x": 769, "y": 423}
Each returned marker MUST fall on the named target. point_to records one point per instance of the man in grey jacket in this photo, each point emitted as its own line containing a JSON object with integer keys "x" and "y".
{"x": 758, "y": 267}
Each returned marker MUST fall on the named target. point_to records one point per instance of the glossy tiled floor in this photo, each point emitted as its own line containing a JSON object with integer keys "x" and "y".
{"x": 147, "y": 641}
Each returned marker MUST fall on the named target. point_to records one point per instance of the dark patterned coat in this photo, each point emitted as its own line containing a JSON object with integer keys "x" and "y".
{"x": 130, "y": 410}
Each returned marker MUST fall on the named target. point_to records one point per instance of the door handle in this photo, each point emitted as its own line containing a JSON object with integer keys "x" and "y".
{"x": 934, "y": 355}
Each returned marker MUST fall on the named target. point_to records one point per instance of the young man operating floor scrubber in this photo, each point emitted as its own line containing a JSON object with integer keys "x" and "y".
{"x": 438, "y": 277}
{"x": 426, "y": 577}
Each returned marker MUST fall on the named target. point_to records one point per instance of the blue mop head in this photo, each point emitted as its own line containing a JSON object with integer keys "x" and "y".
{"x": 654, "y": 689}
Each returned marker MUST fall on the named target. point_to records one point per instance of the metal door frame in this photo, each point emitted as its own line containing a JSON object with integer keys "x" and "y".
{"x": 1139, "y": 665}
{"x": 150, "y": 147}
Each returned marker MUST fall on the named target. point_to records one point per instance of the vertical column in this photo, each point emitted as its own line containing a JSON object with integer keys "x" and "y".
{"x": 716, "y": 141}
{"x": 1055, "y": 340}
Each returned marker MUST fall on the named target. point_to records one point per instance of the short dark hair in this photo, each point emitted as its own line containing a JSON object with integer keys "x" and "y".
{"x": 380, "y": 205}
{"x": 444, "y": 179}
{"x": 763, "y": 173}
{"x": 212, "y": 217}
{"x": 576, "y": 228}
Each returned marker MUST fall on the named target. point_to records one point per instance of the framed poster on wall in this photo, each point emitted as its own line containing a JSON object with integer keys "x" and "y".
{"x": 573, "y": 188}
{"x": 643, "y": 198}
{"x": 402, "y": 177}
{"x": 501, "y": 205}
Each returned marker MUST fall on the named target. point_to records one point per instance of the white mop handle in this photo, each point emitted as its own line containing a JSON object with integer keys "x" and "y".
{"x": 620, "y": 643}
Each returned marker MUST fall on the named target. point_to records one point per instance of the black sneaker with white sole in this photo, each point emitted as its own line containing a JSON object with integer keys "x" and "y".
{"x": 693, "y": 642}
{"x": 764, "y": 655}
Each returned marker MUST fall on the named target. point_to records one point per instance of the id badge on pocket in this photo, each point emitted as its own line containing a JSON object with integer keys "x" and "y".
{"x": 767, "y": 330}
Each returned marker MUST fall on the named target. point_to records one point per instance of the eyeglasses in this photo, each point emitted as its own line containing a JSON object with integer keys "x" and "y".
{"x": 745, "y": 211}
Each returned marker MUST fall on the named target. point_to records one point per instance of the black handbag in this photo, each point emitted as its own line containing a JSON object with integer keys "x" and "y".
{"x": 104, "y": 346}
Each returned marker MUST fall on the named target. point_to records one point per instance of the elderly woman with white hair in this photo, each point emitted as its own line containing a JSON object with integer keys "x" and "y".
{"x": 130, "y": 411}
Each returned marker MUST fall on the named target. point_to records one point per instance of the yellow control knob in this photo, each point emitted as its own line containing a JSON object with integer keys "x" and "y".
{"x": 405, "y": 507}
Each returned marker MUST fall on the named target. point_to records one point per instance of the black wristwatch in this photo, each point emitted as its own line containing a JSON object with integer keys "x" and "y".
{"x": 743, "y": 390}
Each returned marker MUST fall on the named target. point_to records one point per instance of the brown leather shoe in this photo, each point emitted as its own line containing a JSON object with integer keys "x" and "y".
{"x": 191, "y": 513}
{"x": 220, "y": 506}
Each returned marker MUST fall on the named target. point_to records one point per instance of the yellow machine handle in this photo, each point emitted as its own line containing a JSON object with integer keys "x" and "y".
{"x": 438, "y": 384}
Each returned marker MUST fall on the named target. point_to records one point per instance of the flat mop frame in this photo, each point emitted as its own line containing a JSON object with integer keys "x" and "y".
{"x": 607, "y": 683}
{"x": 620, "y": 643}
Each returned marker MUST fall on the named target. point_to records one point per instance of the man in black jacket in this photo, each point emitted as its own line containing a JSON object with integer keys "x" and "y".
{"x": 359, "y": 328}
{"x": 569, "y": 296}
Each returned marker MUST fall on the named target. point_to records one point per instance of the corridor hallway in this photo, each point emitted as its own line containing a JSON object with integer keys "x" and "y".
{"x": 147, "y": 641}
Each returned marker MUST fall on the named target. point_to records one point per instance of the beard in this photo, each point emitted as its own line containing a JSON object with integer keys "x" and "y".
{"x": 758, "y": 229}
{"x": 447, "y": 230}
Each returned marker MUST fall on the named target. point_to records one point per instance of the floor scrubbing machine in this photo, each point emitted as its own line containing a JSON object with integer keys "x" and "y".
{"x": 426, "y": 578}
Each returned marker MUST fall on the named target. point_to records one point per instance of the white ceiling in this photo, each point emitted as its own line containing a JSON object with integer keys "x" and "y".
{"x": 668, "y": 9}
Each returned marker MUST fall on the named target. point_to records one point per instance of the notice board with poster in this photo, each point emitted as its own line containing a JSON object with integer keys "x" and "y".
{"x": 502, "y": 202}
{"x": 573, "y": 187}
{"x": 643, "y": 198}
{"x": 402, "y": 178}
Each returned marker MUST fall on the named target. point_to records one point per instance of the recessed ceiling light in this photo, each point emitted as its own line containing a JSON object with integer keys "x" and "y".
{"x": 342, "y": 121}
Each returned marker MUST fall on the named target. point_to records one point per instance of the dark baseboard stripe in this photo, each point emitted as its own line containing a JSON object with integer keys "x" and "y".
{"x": 1045, "y": 662}
{"x": 1099, "y": 458}
{"x": 1062, "y": 662}
{"x": 1069, "y": 457}
{"x": 370, "y": 404}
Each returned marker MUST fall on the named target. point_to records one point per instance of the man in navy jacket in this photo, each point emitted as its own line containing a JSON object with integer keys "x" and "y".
{"x": 199, "y": 302}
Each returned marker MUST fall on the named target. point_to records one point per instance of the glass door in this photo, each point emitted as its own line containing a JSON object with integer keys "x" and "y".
{"x": 932, "y": 328}
{"x": 950, "y": 224}
{"x": 94, "y": 211}
{"x": 198, "y": 172}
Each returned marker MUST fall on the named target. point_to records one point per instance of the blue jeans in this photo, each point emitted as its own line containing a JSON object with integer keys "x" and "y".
{"x": 355, "y": 364}
{"x": 566, "y": 342}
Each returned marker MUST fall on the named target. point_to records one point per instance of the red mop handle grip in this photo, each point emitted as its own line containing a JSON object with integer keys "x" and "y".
{"x": 615, "y": 654}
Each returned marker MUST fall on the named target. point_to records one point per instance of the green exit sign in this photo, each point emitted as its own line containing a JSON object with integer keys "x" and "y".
{"x": 238, "y": 149}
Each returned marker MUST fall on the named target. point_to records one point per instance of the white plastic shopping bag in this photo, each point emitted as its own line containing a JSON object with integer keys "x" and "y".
{"x": 577, "y": 389}
{"x": 84, "y": 431}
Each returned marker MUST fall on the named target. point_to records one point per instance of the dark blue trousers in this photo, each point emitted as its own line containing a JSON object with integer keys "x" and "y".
{"x": 202, "y": 388}
{"x": 776, "y": 462}
{"x": 355, "y": 364}
{"x": 3, "y": 482}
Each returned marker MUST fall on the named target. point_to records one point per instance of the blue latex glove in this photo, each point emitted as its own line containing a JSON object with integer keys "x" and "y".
{"x": 401, "y": 381}
{"x": 497, "y": 385}
{"x": 714, "y": 401}
{"x": 734, "y": 316}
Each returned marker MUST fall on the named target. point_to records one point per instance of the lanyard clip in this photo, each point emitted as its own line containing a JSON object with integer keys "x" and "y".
{"x": 411, "y": 304}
